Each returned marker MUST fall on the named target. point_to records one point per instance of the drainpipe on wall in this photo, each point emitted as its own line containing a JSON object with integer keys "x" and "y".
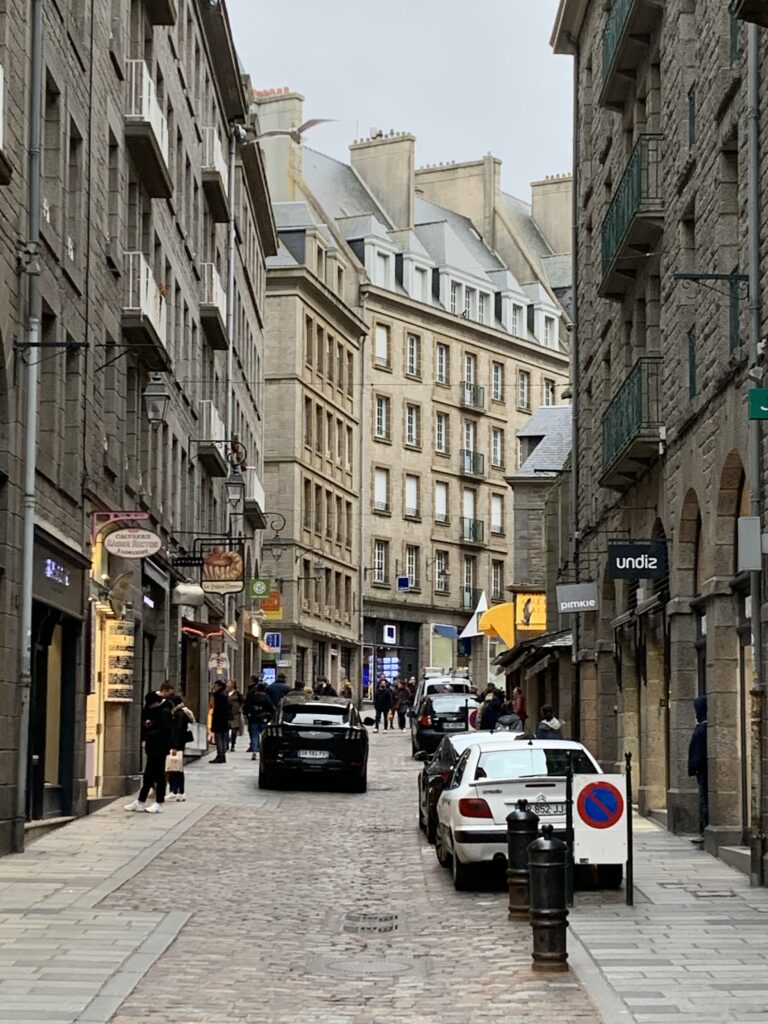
{"x": 34, "y": 311}
{"x": 358, "y": 690}
{"x": 229, "y": 600}
{"x": 757, "y": 836}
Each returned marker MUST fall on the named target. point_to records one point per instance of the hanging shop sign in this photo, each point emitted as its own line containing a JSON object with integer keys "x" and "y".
{"x": 573, "y": 598}
{"x": 530, "y": 613}
{"x": 637, "y": 560}
{"x": 272, "y": 606}
{"x": 133, "y": 543}
{"x": 259, "y": 588}
{"x": 118, "y": 660}
{"x": 757, "y": 403}
{"x": 223, "y": 566}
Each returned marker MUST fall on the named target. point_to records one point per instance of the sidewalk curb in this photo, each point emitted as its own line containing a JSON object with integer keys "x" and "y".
{"x": 610, "y": 1006}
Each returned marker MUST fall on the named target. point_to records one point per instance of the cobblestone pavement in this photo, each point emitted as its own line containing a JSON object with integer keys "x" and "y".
{"x": 242, "y": 907}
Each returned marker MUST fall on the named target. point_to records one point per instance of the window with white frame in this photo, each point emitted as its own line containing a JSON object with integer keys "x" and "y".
{"x": 455, "y": 296}
{"x": 549, "y": 331}
{"x": 381, "y": 350}
{"x": 381, "y": 429}
{"x": 468, "y": 572}
{"x": 412, "y": 425}
{"x": 523, "y": 389}
{"x": 516, "y": 320}
{"x": 381, "y": 561}
{"x": 412, "y": 560}
{"x": 382, "y": 269}
{"x": 420, "y": 290}
{"x": 413, "y": 355}
{"x": 469, "y": 302}
{"x": 521, "y": 452}
{"x": 441, "y": 501}
{"x": 497, "y": 382}
{"x": 442, "y": 363}
{"x": 497, "y": 514}
{"x": 483, "y": 305}
{"x": 442, "y": 438}
{"x": 381, "y": 490}
{"x": 330, "y": 424}
{"x": 441, "y": 571}
{"x": 412, "y": 503}
{"x": 549, "y": 392}
{"x": 497, "y": 579}
{"x": 470, "y": 368}
{"x": 497, "y": 447}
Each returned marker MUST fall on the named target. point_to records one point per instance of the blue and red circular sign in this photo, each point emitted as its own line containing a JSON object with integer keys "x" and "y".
{"x": 472, "y": 720}
{"x": 600, "y": 805}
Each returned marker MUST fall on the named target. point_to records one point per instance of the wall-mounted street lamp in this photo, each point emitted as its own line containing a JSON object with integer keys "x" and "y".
{"x": 235, "y": 487}
{"x": 156, "y": 399}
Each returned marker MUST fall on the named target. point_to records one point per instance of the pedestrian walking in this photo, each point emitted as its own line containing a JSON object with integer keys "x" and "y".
{"x": 550, "y": 727}
{"x": 382, "y": 702}
{"x": 279, "y": 689}
{"x": 698, "y": 765}
{"x": 181, "y": 735}
{"x": 518, "y": 704}
{"x": 220, "y": 721}
{"x": 490, "y": 709}
{"x": 346, "y": 690}
{"x": 258, "y": 710}
{"x": 156, "y": 725}
{"x": 323, "y": 688}
{"x": 402, "y": 701}
{"x": 236, "y": 700}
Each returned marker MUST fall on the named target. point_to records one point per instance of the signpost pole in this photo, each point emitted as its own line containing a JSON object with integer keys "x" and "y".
{"x": 569, "y": 839}
{"x": 629, "y": 880}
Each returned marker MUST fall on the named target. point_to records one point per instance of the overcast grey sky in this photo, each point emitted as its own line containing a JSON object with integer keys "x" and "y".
{"x": 465, "y": 76}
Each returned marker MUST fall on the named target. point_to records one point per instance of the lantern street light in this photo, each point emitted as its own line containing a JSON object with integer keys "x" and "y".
{"x": 156, "y": 399}
{"x": 235, "y": 487}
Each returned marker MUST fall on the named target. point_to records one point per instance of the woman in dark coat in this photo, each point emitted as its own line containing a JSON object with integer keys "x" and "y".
{"x": 181, "y": 718}
{"x": 382, "y": 702}
{"x": 220, "y": 721}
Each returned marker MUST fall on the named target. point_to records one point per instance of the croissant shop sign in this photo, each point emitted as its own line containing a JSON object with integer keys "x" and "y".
{"x": 223, "y": 565}
{"x": 132, "y": 543}
{"x": 637, "y": 560}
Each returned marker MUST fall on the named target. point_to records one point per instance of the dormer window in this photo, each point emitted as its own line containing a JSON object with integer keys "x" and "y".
{"x": 469, "y": 302}
{"x": 516, "y": 319}
{"x": 549, "y": 332}
{"x": 420, "y": 284}
{"x": 483, "y": 305}
{"x": 455, "y": 296}
{"x": 382, "y": 269}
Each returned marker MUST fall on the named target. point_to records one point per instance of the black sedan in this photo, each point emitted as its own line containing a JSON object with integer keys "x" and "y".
{"x": 439, "y": 716}
{"x": 314, "y": 736}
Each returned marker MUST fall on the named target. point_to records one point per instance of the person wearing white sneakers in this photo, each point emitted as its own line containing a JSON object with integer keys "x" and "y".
{"x": 156, "y": 728}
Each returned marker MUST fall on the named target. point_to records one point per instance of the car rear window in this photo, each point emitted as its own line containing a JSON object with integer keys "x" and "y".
{"x": 455, "y": 685}
{"x": 452, "y": 702}
{"x": 518, "y": 764}
{"x": 316, "y": 714}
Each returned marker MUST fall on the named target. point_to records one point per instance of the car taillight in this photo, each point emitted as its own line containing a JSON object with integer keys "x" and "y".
{"x": 472, "y": 807}
{"x": 425, "y": 720}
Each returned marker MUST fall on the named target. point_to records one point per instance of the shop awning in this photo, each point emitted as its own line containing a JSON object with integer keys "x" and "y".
{"x": 449, "y": 632}
{"x": 530, "y": 651}
{"x": 202, "y": 630}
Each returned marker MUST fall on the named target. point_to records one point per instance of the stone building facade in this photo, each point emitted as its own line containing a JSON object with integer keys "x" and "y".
{"x": 661, "y": 379}
{"x": 461, "y": 349}
{"x": 138, "y": 100}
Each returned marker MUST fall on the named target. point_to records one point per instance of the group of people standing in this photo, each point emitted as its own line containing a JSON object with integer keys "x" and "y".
{"x": 392, "y": 702}
{"x": 165, "y": 732}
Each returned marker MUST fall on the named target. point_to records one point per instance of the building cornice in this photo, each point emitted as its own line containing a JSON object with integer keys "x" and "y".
{"x": 256, "y": 180}
{"x": 567, "y": 27}
{"x": 286, "y": 280}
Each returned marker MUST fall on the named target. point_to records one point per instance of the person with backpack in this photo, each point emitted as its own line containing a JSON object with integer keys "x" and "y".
{"x": 258, "y": 710}
{"x": 181, "y": 735}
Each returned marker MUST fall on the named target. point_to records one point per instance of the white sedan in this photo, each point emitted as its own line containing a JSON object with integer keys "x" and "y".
{"x": 488, "y": 780}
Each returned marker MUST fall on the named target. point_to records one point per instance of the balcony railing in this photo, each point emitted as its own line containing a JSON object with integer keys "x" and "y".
{"x": 472, "y": 463}
{"x": 146, "y": 130}
{"x": 469, "y": 598}
{"x": 632, "y": 424}
{"x": 625, "y": 42}
{"x": 635, "y": 215}
{"x": 213, "y": 307}
{"x": 255, "y": 499}
{"x": 145, "y": 298}
{"x": 472, "y": 395}
{"x": 472, "y": 530}
{"x": 215, "y": 174}
{"x": 211, "y": 441}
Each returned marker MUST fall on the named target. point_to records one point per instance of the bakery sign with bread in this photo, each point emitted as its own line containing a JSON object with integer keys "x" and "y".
{"x": 223, "y": 565}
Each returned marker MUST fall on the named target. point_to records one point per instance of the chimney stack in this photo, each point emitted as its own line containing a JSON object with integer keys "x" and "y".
{"x": 386, "y": 163}
{"x": 283, "y": 110}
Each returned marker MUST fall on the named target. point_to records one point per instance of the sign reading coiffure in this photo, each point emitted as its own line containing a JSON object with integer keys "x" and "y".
{"x": 637, "y": 560}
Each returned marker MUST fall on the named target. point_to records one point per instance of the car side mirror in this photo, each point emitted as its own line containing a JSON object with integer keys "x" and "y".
{"x": 422, "y": 755}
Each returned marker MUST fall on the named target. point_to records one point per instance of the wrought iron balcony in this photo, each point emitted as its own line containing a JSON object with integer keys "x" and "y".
{"x": 635, "y": 217}
{"x": 469, "y": 598}
{"x": 472, "y": 463}
{"x": 146, "y": 131}
{"x": 632, "y": 426}
{"x": 215, "y": 176}
{"x": 755, "y": 11}
{"x": 626, "y": 37}
{"x": 472, "y": 530}
{"x": 472, "y": 395}
{"x": 213, "y": 308}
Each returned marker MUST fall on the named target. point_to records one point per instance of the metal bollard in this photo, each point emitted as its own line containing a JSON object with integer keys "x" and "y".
{"x": 549, "y": 913}
{"x": 522, "y": 829}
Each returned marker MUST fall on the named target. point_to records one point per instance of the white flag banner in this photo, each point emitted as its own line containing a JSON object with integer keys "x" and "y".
{"x": 471, "y": 628}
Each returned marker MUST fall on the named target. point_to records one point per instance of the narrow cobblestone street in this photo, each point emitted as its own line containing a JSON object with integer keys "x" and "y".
{"x": 243, "y": 907}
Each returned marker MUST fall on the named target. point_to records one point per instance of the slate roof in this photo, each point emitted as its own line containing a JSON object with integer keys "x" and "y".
{"x": 553, "y": 425}
{"x": 340, "y": 192}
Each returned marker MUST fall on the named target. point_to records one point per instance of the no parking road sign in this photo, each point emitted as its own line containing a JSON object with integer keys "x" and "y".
{"x": 599, "y": 819}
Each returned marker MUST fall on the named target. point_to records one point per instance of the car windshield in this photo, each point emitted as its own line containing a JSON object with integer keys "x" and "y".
{"x": 452, "y": 702}
{"x": 528, "y": 762}
{"x": 458, "y": 686}
{"x": 316, "y": 714}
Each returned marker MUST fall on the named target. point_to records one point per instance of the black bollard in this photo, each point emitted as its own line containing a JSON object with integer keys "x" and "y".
{"x": 549, "y": 913}
{"x": 522, "y": 829}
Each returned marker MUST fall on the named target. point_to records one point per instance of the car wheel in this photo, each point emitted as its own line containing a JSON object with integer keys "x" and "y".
{"x": 267, "y": 779}
{"x": 359, "y": 784}
{"x": 610, "y": 876}
{"x": 462, "y": 874}
{"x": 443, "y": 856}
{"x": 431, "y": 828}
{"x": 422, "y": 825}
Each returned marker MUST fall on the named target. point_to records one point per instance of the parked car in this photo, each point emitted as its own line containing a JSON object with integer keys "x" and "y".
{"x": 438, "y": 769}
{"x": 314, "y": 736}
{"x": 438, "y": 715}
{"x": 487, "y": 781}
{"x": 432, "y": 684}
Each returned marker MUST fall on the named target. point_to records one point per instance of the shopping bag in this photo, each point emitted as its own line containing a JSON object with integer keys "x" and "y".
{"x": 175, "y": 762}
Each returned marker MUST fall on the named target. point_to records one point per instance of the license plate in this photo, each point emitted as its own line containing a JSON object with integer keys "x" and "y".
{"x": 318, "y": 755}
{"x": 545, "y": 809}
{"x": 453, "y": 725}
